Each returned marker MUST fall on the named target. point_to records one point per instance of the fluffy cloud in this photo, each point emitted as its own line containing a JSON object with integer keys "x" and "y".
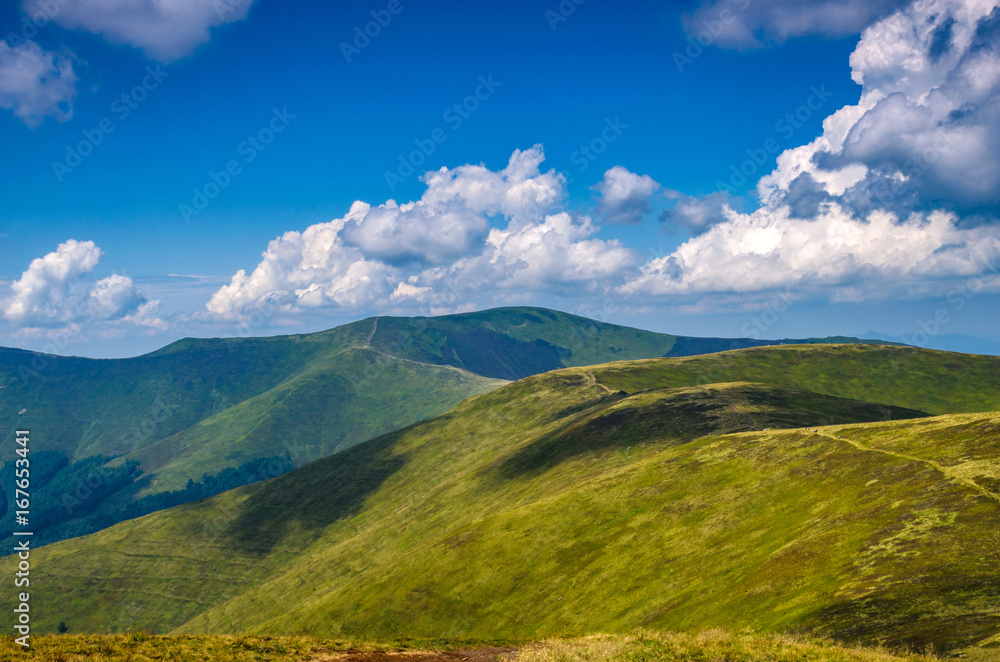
{"x": 114, "y": 297}
{"x": 626, "y": 198}
{"x": 926, "y": 131}
{"x": 35, "y": 83}
{"x": 897, "y": 197}
{"x": 745, "y": 24}
{"x": 164, "y": 29}
{"x": 309, "y": 269}
{"x": 884, "y": 203}
{"x": 520, "y": 192}
{"x": 439, "y": 250}
{"x": 833, "y": 252}
{"x": 557, "y": 254}
{"x": 51, "y": 292}
{"x": 430, "y": 234}
{"x": 693, "y": 214}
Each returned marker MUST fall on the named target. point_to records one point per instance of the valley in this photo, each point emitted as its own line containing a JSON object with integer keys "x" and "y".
{"x": 844, "y": 491}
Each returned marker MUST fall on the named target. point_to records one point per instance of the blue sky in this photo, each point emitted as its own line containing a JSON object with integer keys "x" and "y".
{"x": 623, "y": 121}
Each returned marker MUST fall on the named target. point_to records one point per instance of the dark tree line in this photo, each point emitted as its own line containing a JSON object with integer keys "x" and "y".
{"x": 70, "y": 500}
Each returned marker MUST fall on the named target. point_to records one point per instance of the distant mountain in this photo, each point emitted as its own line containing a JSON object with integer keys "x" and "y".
{"x": 949, "y": 342}
{"x": 127, "y": 437}
{"x": 778, "y": 488}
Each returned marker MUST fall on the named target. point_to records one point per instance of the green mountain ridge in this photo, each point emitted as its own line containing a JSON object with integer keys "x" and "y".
{"x": 804, "y": 489}
{"x": 134, "y": 428}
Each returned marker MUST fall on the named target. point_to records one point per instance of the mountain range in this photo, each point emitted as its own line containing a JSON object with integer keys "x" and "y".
{"x": 117, "y": 439}
{"x": 840, "y": 490}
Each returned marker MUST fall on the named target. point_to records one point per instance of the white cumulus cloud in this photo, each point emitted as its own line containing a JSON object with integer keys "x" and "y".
{"x": 754, "y": 23}
{"x": 521, "y": 191}
{"x": 474, "y": 236}
{"x": 165, "y": 30}
{"x": 626, "y": 198}
{"x": 695, "y": 214}
{"x": 416, "y": 231}
{"x": 926, "y": 131}
{"x": 308, "y": 269}
{"x": 35, "y": 83}
{"x": 556, "y": 254}
{"x": 834, "y": 252}
{"x": 899, "y": 195}
{"x": 52, "y": 292}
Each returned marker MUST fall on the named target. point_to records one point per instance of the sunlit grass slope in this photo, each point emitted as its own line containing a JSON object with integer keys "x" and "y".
{"x": 932, "y": 381}
{"x": 201, "y": 406}
{"x": 633, "y": 647}
{"x": 597, "y": 500}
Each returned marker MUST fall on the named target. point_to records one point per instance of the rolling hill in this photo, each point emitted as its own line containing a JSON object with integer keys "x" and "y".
{"x": 117, "y": 439}
{"x": 803, "y": 489}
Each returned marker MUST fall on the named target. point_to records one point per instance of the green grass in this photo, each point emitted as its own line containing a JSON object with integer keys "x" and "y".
{"x": 641, "y": 645}
{"x": 142, "y": 647}
{"x": 560, "y": 506}
{"x": 200, "y": 406}
{"x": 311, "y": 415}
{"x": 927, "y": 380}
{"x": 645, "y": 645}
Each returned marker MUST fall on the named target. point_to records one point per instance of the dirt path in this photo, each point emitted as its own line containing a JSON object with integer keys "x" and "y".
{"x": 592, "y": 381}
{"x": 471, "y": 655}
{"x": 432, "y": 365}
{"x": 372, "y": 334}
{"x": 945, "y": 471}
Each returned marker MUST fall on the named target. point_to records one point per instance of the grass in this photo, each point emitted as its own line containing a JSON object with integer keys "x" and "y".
{"x": 143, "y": 647}
{"x": 712, "y": 645}
{"x": 559, "y": 505}
{"x": 640, "y": 645}
{"x": 926, "y": 380}
{"x": 200, "y": 406}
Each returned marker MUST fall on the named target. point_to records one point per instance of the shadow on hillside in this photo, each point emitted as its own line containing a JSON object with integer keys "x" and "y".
{"x": 482, "y": 351}
{"x": 678, "y": 416}
{"x": 672, "y": 420}
{"x": 315, "y": 496}
{"x": 579, "y": 408}
{"x": 867, "y": 622}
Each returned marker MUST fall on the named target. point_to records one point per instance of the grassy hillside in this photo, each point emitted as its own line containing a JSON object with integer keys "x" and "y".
{"x": 203, "y": 406}
{"x": 928, "y": 380}
{"x": 595, "y": 499}
{"x": 313, "y": 414}
{"x": 210, "y": 410}
{"x": 512, "y": 343}
{"x": 710, "y": 645}
{"x": 641, "y": 645}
